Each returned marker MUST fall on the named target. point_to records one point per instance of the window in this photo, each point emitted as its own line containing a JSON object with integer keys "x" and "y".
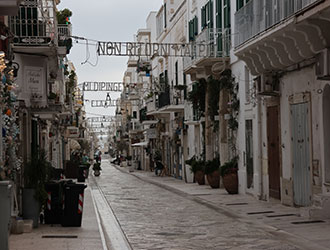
{"x": 134, "y": 114}
{"x": 193, "y": 28}
{"x": 247, "y": 85}
{"x": 176, "y": 73}
{"x": 226, "y": 11}
{"x": 207, "y": 15}
{"x": 165, "y": 21}
{"x": 241, "y": 3}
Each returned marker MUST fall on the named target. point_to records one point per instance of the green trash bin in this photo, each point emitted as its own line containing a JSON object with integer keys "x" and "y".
{"x": 73, "y": 204}
{"x": 5, "y": 212}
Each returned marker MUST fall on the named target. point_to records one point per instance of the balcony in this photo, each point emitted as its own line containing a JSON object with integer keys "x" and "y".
{"x": 9, "y": 7}
{"x": 210, "y": 47}
{"x": 64, "y": 32}
{"x": 273, "y": 35}
{"x": 34, "y": 27}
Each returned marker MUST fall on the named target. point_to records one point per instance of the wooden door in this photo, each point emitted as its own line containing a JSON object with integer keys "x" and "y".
{"x": 273, "y": 146}
{"x": 300, "y": 130}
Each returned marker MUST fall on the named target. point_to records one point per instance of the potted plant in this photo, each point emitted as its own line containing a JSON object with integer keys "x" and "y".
{"x": 212, "y": 171}
{"x": 97, "y": 168}
{"x": 36, "y": 173}
{"x": 197, "y": 168}
{"x": 229, "y": 176}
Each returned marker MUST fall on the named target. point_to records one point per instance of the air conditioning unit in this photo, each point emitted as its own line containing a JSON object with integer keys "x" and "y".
{"x": 322, "y": 67}
{"x": 267, "y": 85}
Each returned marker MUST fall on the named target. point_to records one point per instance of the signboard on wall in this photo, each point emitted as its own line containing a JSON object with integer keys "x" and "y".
{"x": 34, "y": 81}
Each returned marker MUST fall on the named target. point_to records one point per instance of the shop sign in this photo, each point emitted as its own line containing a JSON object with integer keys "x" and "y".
{"x": 34, "y": 79}
{"x": 72, "y": 132}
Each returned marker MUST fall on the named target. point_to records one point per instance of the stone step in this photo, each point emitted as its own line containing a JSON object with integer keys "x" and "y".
{"x": 28, "y": 226}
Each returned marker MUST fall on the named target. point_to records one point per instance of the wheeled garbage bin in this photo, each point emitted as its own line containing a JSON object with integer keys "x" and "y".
{"x": 73, "y": 204}
{"x": 53, "y": 207}
{"x": 5, "y": 212}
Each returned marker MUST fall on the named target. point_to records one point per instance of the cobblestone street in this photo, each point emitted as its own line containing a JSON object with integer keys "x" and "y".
{"x": 155, "y": 218}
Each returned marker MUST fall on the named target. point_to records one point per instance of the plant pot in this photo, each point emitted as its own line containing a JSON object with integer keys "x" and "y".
{"x": 97, "y": 172}
{"x": 200, "y": 177}
{"x": 230, "y": 182}
{"x": 31, "y": 207}
{"x": 214, "y": 179}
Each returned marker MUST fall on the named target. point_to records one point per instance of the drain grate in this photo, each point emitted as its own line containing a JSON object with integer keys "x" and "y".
{"x": 60, "y": 236}
{"x": 307, "y": 222}
{"x": 262, "y": 212}
{"x": 280, "y": 215}
{"x": 237, "y": 204}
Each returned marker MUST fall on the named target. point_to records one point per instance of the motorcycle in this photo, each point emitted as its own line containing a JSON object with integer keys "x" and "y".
{"x": 97, "y": 169}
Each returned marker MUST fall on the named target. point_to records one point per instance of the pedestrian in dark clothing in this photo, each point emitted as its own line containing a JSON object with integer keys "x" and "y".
{"x": 159, "y": 166}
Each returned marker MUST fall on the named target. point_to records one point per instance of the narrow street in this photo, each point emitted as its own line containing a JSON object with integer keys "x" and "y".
{"x": 152, "y": 217}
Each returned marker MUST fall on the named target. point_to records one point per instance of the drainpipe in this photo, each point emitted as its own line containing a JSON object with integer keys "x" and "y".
{"x": 260, "y": 145}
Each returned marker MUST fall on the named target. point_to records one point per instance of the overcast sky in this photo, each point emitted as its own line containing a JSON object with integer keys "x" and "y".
{"x": 105, "y": 20}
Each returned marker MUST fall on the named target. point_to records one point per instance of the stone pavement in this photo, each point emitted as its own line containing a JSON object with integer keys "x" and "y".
{"x": 273, "y": 217}
{"x": 86, "y": 237}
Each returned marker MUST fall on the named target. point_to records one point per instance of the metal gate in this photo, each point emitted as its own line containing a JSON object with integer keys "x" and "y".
{"x": 300, "y": 131}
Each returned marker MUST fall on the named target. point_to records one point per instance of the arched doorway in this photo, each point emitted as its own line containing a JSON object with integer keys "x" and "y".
{"x": 326, "y": 128}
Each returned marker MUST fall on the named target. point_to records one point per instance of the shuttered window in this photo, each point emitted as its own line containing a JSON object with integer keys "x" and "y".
{"x": 226, "y": 11}
{"x": 193, "y": 28}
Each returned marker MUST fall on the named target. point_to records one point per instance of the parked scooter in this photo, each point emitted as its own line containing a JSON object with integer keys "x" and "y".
{"x": 97, "y": 169}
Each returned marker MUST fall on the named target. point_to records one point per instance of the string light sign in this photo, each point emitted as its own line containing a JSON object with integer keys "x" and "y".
{"x": 151, "y": 49}
{"x": 102, "y": 86}
{"x": 101, "y": 119}
{"x": 104, "y": 103}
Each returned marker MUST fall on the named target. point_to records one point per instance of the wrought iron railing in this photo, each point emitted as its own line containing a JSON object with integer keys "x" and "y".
{"x": 259, "y": 15}
{"x": 35, "y": 23}
{"x": 210, "y": 43}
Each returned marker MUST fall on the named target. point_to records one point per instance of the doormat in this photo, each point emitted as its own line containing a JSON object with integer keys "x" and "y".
{"x": 307, "y": 222}
{"x": 60, "y": 236}
{"x": 263, "y": 212}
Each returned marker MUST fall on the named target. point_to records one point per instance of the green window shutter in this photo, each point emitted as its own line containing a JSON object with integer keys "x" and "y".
{"x": 226, "y": 10}
{"x": 195, "y": 26}
{"x": 240, "y": 4}
{"x": 211, "y": 14}
{"x": 191, "y": 37}
{"x": 218, "y": 14}
{"x": 220, "y": 45}
{"x": 202, "y": 18}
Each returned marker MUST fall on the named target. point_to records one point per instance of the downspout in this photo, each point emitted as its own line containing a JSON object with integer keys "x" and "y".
{"x": 260, "y": 145}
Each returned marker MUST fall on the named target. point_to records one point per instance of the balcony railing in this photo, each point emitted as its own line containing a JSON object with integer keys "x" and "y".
{"x": 210, "y": 43}
{"x": 164, "y": 99}
{"x": 35, "y": 23}
{"x": 259, "y": 15}
{"x": 64, "y": 31}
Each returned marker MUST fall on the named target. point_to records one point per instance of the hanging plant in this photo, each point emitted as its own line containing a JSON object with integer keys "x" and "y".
{"x": 214, "y": 87}
{"x": 197, "y": 95}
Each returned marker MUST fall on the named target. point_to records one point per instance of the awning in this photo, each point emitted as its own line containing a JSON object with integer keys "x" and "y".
{"x": 74, "y": 144}
{"x": 140, "y": 144}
